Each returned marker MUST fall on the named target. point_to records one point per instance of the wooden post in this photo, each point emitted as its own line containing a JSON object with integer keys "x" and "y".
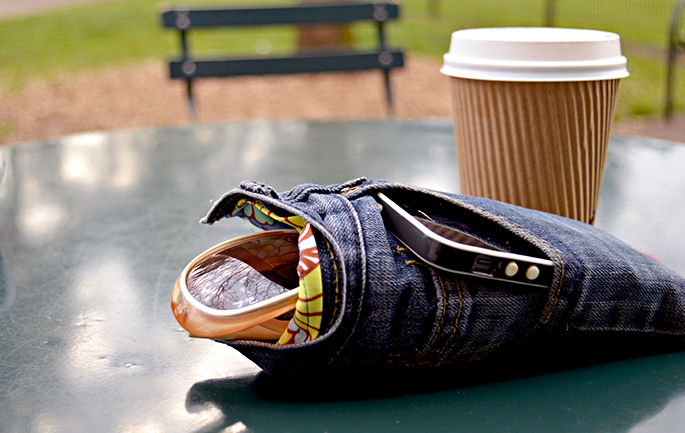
{"x": 323, "y": 36}
{"x": 550, "y": 13}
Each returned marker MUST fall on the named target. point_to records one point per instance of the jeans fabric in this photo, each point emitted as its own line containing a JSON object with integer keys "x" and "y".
{"x": 386, "y": 307}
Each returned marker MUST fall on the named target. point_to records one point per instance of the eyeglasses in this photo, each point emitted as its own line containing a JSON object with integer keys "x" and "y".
{"x": 243, "y": 288}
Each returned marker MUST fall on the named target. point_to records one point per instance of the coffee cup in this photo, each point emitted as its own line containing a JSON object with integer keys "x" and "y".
{"x": 533, "y": 109}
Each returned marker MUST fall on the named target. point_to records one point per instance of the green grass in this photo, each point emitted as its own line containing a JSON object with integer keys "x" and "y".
{"x": 643, "y": 93}
{"x": 129, "y": 31}
{"x": 6, "y": 128}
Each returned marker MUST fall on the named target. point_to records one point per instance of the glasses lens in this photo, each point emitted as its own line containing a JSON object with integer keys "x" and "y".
{"x": 252, "y": 271}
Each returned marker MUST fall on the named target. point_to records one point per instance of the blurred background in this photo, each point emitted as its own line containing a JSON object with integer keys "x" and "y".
{"x": 82, "y": 65}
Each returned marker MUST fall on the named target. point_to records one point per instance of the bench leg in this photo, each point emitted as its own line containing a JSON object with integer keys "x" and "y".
{"x": 192, "y": 112}
{"x": 668, "y": 102}
{"x": 388, "y": 93}
{"x": 674, "y": 45}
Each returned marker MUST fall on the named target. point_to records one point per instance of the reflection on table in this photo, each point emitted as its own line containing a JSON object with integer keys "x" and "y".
{"x": 95, "y": 228}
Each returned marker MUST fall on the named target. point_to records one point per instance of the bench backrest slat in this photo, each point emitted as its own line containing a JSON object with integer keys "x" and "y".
{"x": 185, "y": 19}
{"x": 189, "y": 67}
{"x": 285, "y": 65}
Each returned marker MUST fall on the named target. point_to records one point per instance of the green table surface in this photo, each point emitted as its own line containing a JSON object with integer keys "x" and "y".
{"x": 95, "y": 228}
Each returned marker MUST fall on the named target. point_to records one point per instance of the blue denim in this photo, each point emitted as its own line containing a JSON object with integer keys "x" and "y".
{"x": 386, "y": 307}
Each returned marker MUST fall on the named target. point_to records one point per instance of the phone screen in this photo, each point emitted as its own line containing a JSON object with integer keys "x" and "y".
{"x": 453, "y": 234}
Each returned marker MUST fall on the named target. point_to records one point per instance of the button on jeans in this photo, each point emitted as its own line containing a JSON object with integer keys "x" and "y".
{"x": 385, "y": 307}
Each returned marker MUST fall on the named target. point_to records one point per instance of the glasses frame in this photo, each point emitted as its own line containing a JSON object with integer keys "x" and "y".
{"x": 256, "y": 321}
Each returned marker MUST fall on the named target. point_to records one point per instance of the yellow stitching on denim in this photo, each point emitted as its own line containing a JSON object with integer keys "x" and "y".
{"x": 563, "y": 267}
{"x": 515, "y": 341}
{"x": 556, "y": 296}
{"x": 456, "y": 321}
{"x": 400, "y": 250}
{"x": 444, "y": 362}
{"x": 480, "y": 351}
{"x": 444, "y": 310}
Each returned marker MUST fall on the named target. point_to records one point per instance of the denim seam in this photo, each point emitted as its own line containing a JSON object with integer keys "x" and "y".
{"x": 400, "y": 250}
{"x": 362, "y": 277}
{"x": 557, "y": 295}
{"x": 373, "y": 187}
{"x": 563, "y": 267}
{"x": 456, "y": 320}
{"x": 512, "y": 342}
{"x": 219, "y": 208}
{"x": 336, "y": 282}
{"x": 486, "y": 349}
{"x": 442, "y": 318}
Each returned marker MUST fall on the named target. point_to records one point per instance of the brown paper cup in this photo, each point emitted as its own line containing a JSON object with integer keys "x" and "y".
{"x": 541, "y": 145}
{"x": 532, "y": 125}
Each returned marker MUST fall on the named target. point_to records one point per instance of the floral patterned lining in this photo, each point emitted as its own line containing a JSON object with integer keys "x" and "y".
{"x": 306, "y": 322}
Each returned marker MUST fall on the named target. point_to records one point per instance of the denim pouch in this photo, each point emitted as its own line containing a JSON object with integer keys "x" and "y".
{"x": 383, "y": 306}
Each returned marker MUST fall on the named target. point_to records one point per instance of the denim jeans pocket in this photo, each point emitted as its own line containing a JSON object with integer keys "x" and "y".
{"x": 387, "y": 306}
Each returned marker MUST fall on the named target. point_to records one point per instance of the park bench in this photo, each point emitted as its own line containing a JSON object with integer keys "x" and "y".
{"x": 190, "y": 68}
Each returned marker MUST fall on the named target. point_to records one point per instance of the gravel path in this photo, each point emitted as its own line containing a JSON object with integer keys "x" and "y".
{"x": 142, "y": 96}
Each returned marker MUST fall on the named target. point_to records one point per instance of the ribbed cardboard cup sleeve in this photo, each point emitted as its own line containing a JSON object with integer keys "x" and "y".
{"x": 541, "y": 145}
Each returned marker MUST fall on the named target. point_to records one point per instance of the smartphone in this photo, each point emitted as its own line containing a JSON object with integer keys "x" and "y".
{"x": 451, "y": 250}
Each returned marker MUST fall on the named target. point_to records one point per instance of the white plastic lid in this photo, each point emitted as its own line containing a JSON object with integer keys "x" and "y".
{"x": 534, "y": 54}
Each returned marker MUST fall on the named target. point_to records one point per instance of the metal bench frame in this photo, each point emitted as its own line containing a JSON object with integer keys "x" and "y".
{"x": 675, "y": 46}
{"x": 189, "y": 68}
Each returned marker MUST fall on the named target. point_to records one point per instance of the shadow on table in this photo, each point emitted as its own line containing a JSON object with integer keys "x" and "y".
{"x": 260, "y": 400}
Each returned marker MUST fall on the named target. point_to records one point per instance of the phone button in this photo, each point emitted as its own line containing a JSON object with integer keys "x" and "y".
{"x": 511, "y": 269}
{"x": 533, "y": 272}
